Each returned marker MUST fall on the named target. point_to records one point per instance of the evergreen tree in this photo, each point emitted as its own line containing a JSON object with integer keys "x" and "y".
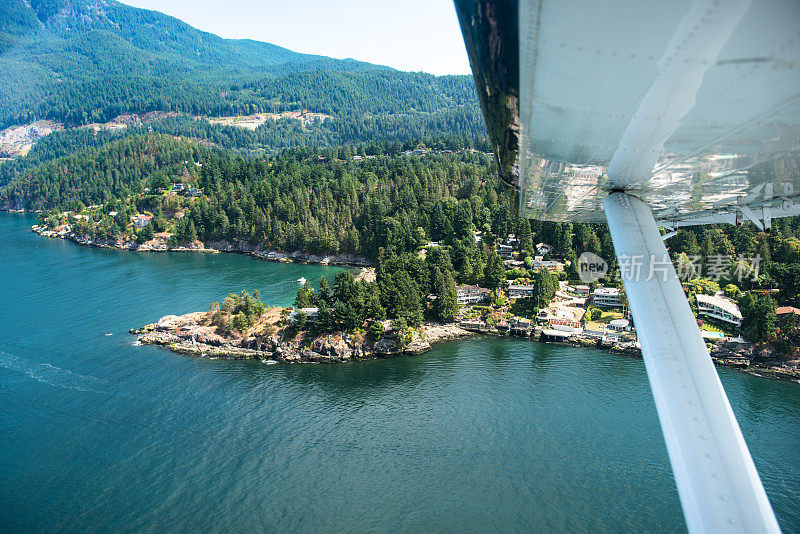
{"x": 573, "y": 274}
{"x": 758, "y": 317}
{"x": 325, "y": 319}
{"x": 404, "y": 299}
{"x": 524, "y": 235}
{"x": 191, "y": 233}
{"x": 545, "y": 286}
{"x": 324, "y": 294}
{"x": 494, "y": 273}
{"x": 446, "y": 303}
{"x": 344, "y": 287}
{"x": 563, "y": 244}
{"x": 305, "y": 296}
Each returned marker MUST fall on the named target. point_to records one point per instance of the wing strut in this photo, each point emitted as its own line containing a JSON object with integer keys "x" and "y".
{"x": 719, "y": 488}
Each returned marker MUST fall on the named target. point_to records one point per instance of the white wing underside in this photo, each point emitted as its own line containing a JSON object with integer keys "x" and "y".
{"x": 693, "y": 106}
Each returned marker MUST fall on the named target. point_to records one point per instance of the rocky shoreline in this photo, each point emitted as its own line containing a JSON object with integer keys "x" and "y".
{"x": 161, "y": 244}
{"x": 752, "y": 359}
{"x": 192, "y": 334}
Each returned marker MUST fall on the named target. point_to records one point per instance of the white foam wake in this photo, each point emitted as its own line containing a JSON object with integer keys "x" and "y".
{"x": 48, "y": 374}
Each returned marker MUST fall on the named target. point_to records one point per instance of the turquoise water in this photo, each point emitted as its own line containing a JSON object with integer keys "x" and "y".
{"x": 477, "y": 435}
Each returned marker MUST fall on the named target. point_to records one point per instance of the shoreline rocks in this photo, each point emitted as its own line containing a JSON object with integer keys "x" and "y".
{"x": 192, "y": 334}
{"x": 752, "y": 359}
{"x": 160, "y": 244}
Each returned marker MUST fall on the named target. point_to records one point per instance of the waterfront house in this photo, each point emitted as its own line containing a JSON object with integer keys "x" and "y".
{"x": 620, "y": 325}
{"x": 474, "y": 325}
{"x": 140, "y": 221}
{"x": 608, "y": 297}
{"x": 471, "y": 294}
{"x": 519, "y": 327}
{"x": 720, "y": 308}
{"x": 565, "y": 325}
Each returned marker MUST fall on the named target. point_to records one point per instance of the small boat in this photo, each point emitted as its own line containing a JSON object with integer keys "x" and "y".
{"x": 302, "y": 281}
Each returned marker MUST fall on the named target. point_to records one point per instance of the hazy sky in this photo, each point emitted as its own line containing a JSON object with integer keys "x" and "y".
{"x": 406, "y": 34}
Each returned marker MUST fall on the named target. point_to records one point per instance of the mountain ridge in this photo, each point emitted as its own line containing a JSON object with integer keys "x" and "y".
{"x": 50, "y": 47}
{"x": 84, "y": 62}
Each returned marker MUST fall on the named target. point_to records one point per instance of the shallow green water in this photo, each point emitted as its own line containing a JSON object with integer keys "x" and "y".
{"x": 477, "y": 435}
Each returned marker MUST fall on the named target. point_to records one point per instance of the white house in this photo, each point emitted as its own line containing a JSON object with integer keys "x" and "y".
{"x": 720, "y": 308}
{"x": 620, "y": 325}
{"x": 471, "y": 294}
{"x": 543, "y": 248}
{"x": 606, "y": 296}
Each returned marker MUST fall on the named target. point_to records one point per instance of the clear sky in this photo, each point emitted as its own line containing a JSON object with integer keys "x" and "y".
{"x": 410, "y": 35}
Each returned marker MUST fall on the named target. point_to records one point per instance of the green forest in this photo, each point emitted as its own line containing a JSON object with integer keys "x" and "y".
{"x": 373, "y": 201}
{"x": 79, "y": 62}
{"x": 402, "y": 160}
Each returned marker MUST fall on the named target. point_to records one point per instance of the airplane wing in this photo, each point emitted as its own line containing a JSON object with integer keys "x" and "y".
{"x": 694, "y": 106}
{"x": 643, "y": 114}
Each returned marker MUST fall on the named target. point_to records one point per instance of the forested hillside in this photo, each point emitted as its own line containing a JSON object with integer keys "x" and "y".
{"x": 397, "y": 159}
{"x": 83, "y": 61}
{"x": 374, "y": 200}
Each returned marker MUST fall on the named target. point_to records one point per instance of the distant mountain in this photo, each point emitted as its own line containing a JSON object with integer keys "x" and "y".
{"x": 88, "y": 30}
{"x": 83, "y": 61}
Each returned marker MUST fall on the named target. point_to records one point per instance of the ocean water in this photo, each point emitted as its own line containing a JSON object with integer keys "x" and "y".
{"x": 479, "y": 435}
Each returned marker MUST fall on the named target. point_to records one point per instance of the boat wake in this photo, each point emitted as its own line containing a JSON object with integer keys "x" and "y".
{"x": 49, "y": 374}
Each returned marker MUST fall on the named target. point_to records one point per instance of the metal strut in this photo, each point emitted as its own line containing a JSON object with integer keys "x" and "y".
{"x": 718, "y": 485}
